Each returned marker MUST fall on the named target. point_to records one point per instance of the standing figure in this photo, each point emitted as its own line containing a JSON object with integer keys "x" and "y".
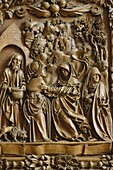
{"x": 96, "y": 104}
{"x": 69, "y": 122}
{"x": 11, "y": 94}
{"x": 36, "y": 106}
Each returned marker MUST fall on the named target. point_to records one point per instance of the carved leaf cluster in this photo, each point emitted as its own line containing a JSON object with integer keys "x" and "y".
{"x": 107, "y": 162}
{"x": 65, "y": 163}
{"x": 38, "y": 162}
{"x": 59, "y": 162}
{"x": 99, "y": 2}
{"x": 46, "y": 8}
{"x": 90, "y": 31}
{"x": 56, "y": 162}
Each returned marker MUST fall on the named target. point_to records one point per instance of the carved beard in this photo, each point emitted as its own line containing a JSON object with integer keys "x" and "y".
{"x": 15, "y": 67}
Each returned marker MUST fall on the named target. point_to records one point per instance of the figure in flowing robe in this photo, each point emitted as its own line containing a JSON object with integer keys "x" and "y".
{"x": 96, "y": 104}
{"x": 11, "y": 93}
{"x": 69, "y": 122}
{"x": 37, "y": 106}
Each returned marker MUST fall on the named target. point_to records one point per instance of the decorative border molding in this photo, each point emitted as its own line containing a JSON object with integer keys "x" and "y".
{"x": 57, "y": 162}
{"x": 45, "y": 9}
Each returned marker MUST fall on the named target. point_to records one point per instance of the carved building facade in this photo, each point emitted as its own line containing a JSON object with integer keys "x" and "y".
{"x": 56, "y": 84}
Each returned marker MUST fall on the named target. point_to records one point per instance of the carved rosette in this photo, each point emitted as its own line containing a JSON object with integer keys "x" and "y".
{"x": 58, "y": 162}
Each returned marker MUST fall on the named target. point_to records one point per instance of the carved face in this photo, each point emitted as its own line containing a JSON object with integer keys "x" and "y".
{"x": 50, "y": 37}
{"x": 34, "y": 66}
{"x": 64, "y": 72}
{"x": 95, "y": 75}
{"x": 16, "y": 61}
{"x": 96, "y": 78}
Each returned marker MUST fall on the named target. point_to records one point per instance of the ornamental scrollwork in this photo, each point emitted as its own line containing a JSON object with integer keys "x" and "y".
{"x": 58, "y": 162}
{"x": 101, "y": 3}
{"x": 44, "y": 9}
{"x": 39, "y": 162}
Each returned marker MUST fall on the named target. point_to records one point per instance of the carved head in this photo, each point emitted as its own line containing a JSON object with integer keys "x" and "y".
{"x": 16, "y": 61}
{"x": 50, "y": 37}
{"x": 64, "y": 72}
{"x": 35, "y": 69}
{"x": 95, "y": 75}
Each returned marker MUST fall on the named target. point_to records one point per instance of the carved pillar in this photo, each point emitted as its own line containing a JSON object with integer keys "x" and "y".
{"x": 111, "y": 29}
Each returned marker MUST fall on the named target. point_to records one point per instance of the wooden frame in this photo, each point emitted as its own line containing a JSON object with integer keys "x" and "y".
{"x": 52, "y": 155}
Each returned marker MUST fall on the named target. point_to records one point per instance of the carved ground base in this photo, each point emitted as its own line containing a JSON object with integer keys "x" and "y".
{"x": 74, "y": 148}
{"x": 56, "y": 156}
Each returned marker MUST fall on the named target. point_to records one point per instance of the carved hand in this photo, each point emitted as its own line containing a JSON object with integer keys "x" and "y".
{"x": 23, "y": 88}
{"x": 9, "y": 89}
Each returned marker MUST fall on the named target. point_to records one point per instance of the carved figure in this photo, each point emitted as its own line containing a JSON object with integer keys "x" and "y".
{"x": 37, "y": 106}
{"x": 50, "y": 42}
{"x": 38, "y": 46}
{"x": 12, "y": 92}
{"x": 96, "y": 104}
{"x": 12, "y": 133}
{"x": 69, "y": 121}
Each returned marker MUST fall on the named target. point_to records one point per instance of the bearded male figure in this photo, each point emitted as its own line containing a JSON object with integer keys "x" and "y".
{"x": 11, "y": 93}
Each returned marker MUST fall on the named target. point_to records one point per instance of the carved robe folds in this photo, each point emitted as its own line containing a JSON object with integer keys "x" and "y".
{"x": 97, "y": 105}
{"x": 11, "y": 108}
{"x": 69, "y": 121}
{"x": 37, "y": 106}
{"x": 36, "y": 114}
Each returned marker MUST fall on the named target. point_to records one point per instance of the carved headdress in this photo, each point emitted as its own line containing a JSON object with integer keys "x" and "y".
{"x": 34, "y": 69}
{"x": 88, "y": 81}
{"x": 94, "y": 71}
{"x": 13, "y": 56}
{"x": 62, "y": 80}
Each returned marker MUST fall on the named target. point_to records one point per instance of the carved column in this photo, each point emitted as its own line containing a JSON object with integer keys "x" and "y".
{"x": 111, "y": 30}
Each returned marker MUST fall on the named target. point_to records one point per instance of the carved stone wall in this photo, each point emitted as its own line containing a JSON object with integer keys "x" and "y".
{"x": 56, "y": 84}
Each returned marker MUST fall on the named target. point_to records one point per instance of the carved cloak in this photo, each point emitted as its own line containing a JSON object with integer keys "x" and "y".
{"x": 11, "y": 113}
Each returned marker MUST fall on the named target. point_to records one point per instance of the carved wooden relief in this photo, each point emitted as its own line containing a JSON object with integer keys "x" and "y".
{"x": 56, "y": 84}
